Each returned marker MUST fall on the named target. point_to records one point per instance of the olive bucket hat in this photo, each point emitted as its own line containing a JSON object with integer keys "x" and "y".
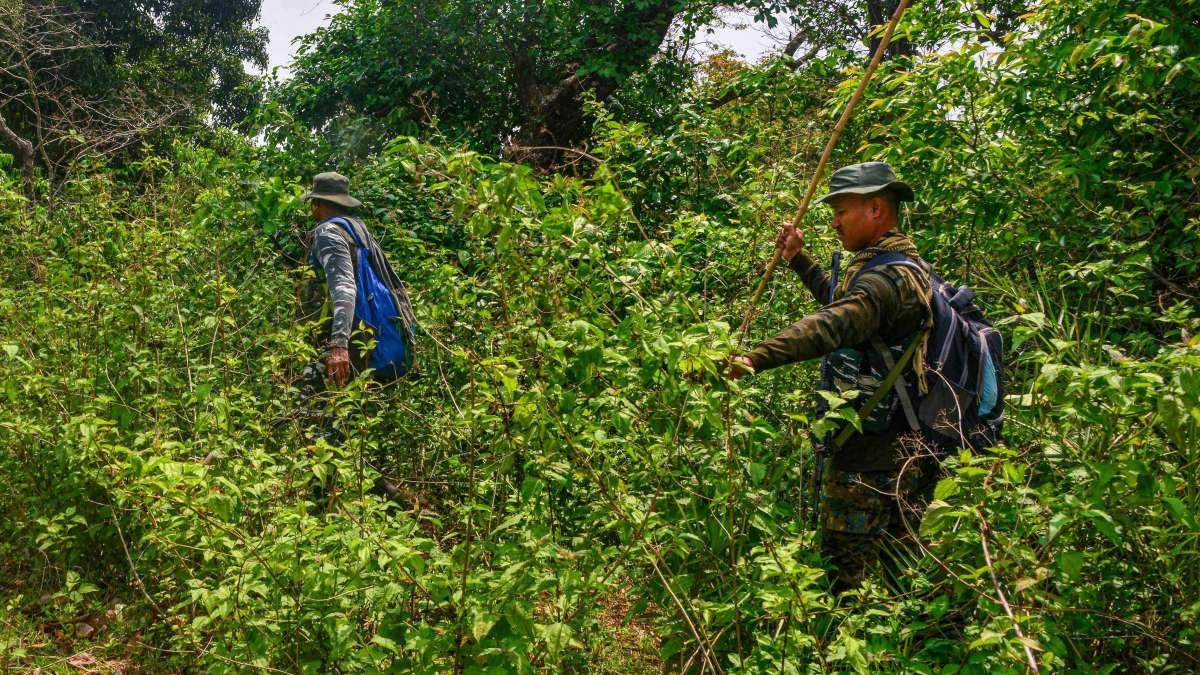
{"x": 867, "y": 178}
{"x": 332, "y": 187}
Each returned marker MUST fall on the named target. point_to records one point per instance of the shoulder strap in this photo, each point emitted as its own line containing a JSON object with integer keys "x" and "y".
{"x": 349, "y": 228}
{"x": 345, "y": 236}
{"x": 901, "y": 385}
{"x": 888, "y": 383}
{"x": 380, "y": 266}
{"x": 363, "y": 241}
{"x": 889, "y": 258}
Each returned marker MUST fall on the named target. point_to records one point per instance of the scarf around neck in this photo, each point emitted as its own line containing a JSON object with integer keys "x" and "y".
{"x": 895, "y": 241}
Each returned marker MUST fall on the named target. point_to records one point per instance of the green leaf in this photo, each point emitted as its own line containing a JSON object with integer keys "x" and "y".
{"x": 947, "y": 487}
{"x": 320, "y": 471}
{"x": 482, "y": 624}
{"x": 1057, "y": 522}
{"x": 986, "y": 637}
{"x": 386, "y": 643}
{"x": 1071, "y": 563}
{"x": 1180, "y": 511}
{"x": 557, "y": 637}
{"x": 1104, "y": 522}
{"x": 938, "y": 607}
{"x": 757, "y": 472}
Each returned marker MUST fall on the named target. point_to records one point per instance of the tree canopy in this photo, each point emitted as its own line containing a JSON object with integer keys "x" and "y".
{"x": 194, "y": 48}
{"x": 92, "y": 78}
{"x": 498, "y": 73}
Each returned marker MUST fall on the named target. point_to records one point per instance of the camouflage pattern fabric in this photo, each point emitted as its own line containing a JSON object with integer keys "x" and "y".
{"x": 328, "y": 297}
{"x": 888, "y": 301}
{"x": 855, "y": 370}
{"x": 892, "y": 241}
{"x": 333, "y": 255}
{"x": 869, "y": 489}
{"x": 860, "y": 509}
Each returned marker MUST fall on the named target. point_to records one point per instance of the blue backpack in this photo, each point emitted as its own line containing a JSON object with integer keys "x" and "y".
{"x": 381, "y": 303}
{"x": 964, "y": 362}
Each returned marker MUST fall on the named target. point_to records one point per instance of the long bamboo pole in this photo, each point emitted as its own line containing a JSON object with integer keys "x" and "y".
{"x": 817, "y": 174}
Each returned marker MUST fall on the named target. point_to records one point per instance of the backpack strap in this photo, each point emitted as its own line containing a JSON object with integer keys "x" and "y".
{"x": 901, "y": 385}
{"x": 895, "y": 377}
{"x": 888, "y": 258}
{"x": 361, "y": 240}
{"x": 350, "y": 229}
{"x": 888, "y": 383}
{"x": 379, "y": 264}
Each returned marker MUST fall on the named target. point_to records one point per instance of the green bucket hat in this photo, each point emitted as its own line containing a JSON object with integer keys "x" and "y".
{"x": 332, "y": 187}
{"x": 867, "y": 178}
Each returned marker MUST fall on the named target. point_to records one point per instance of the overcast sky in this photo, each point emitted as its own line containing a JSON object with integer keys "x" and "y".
{"x": 288, "y": 19}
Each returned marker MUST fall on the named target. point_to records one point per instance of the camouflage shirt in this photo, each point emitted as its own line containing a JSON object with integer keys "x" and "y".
{"x": 888, "y": 301}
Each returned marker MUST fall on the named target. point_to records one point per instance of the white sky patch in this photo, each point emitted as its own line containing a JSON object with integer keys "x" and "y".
{"x": 289, "y": 19}
{"x": 739, "y": 32}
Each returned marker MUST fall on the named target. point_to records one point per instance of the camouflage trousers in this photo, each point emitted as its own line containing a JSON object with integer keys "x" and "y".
{"x": 862, "y": 509}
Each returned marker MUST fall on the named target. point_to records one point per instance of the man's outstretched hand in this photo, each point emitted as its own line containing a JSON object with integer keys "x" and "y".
{"x": 337, "y": 365}
{"x": 789, "y": 242}
{"x": 739, "y": 366}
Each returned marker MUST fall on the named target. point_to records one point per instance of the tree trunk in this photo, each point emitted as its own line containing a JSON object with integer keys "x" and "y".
{"x": 24, "y": 151}
{"x": 880, "y": 12}
{"x": 553, "y": 113}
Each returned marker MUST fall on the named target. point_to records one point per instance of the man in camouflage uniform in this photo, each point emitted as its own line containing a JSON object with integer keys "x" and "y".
{"x": 880, "y": 480}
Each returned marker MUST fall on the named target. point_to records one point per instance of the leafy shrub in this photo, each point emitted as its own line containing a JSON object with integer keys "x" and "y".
{"x": 567, "y": 445}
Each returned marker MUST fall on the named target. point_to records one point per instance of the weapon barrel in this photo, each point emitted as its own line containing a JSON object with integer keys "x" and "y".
{"x": 822, "y": 445}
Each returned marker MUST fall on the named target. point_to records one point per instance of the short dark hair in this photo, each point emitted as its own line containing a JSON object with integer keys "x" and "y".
{"x": 893, "y": 198}
{"x": 340, "y": 208}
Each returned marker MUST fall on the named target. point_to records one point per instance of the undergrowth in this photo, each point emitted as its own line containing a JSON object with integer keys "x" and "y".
{"x": 582, "y": 490}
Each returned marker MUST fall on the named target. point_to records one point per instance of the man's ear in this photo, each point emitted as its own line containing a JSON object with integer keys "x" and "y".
{"x": 877, "y": 206}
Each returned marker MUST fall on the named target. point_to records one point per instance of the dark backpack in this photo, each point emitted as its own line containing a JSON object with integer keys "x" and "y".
{"x": 381, "y": 303}
{"x": 964, "y": 363}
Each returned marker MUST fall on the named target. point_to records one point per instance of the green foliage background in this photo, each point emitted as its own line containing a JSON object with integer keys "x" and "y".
{"x": 572, "y": 456}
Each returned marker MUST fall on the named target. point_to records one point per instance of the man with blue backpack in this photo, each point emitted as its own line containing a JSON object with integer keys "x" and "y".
{"x": 364, "y": 291}
{"x": 371, "y": 323}
{"x": 924, "y": 362}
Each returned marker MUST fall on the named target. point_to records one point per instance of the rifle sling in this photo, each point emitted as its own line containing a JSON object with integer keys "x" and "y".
{"x": 884, "y": 387}
{"x": 901, "y": 385}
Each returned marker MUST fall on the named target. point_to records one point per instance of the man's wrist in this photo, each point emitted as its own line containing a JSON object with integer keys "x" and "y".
{"x": 801, "y": 262}
{"x": 752, "y": 357}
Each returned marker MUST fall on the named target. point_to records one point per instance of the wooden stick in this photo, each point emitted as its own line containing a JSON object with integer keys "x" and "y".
{"x": 816, "y": 178}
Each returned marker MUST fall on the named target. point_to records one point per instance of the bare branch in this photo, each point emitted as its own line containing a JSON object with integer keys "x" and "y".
{"x": 24, "y": 151}
{"x": 53, "y": 120}
{"x": 793, "y": 63}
